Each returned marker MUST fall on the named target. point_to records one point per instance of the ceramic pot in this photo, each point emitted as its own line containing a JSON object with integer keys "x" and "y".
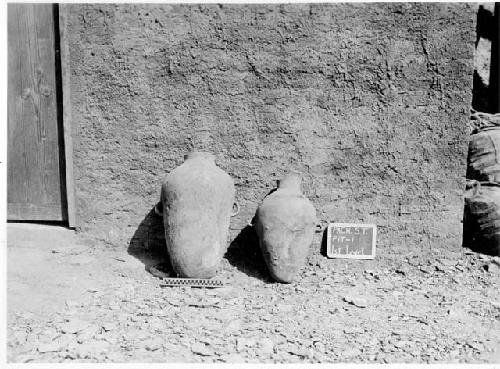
{"x": 483, "y": 162}
{"x": 484, "y": 157}
{"x": 481, "y": 231}
{"x": 285, "y": 225}
{"x": 197, "y": 199}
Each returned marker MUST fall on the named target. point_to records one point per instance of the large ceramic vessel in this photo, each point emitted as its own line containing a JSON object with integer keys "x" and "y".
{"x": 484, "y": 156}
{"x": 483, "y": 162}
{"x": 482, "y": 218}
{"x": 285, "y": 225}
{"x": 197, "y": 199}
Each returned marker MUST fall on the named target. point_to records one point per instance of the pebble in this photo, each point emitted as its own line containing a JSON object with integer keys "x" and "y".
{"x": 20, "y": 336}
{"x": 32, "y": 337}
{"x": 333, "y": 310}
{"x": 493, "y": 268}
{"x": 154, "y": 344}
{"x": 74, "y": 250}
{"x": 397, "y": 293}
{"x": 26, "y": 358}
{"x": 401, "y": 271}
{"x": 226, "y": 292}
{"x": 267, "y": 346}
{"x": 354, "y": 330}
{"x": 109, "y": 326}
{"x": 494, "y": 356}
{"x": 285, "y": 308}
{"x": 81, "y": 260}
{"x": 201, "y": 349}
{"x": 48, "y": 347}
{"x": 233, "y": 301}
{"x": 175, "y": 302}
{"x": 232, "y": 358}
{"x": 401, "y": 344}
{"x": 26, "y": 315}
{"x": 203, "y": 304}
{"x": 448, "y": 262}
{"x": 353, "y": 351}
{"x": 457, "y": 313}
{"x": 113, "y": 305}
{"x": 65, "y": 340}
{"x": 72, "y": 304}
{"x": 88, "y": 350}
{"x": 100, "y": 345}
{"x": 476, "y": 346}
{"x": 266, "y": 317}
{"x": 156, "y": 326}
{"x": 74, "y": 326}
{"x": 356, "y": 301}
{"x": 88, "y": 333}
{"x": 233, "y": 326}
{"x": 300, "y": 351}
{"x": 241, "y": 343}
{"x": 426, "y": 269}
{"x": 440, "y": 268}
{"x": 495, "y": 303}
{"x": 157, "y": 273}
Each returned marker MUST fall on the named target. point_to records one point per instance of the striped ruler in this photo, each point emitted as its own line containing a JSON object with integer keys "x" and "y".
{"x": 191, "y": 282}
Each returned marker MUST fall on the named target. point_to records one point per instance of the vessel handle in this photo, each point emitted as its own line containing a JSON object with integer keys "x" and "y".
{"x": 477, "y": 187}
{"x": 237, "y": 209}
{"x": 157, "y": 210}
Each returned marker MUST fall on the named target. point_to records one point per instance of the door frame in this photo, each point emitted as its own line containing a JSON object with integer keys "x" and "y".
{"x": 68, "y": 129}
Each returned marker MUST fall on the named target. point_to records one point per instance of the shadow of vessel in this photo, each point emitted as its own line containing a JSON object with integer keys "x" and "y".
{"x": 148, "y": 244}
{"x": 244, "y": 254}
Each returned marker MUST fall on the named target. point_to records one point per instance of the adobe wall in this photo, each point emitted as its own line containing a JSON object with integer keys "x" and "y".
{"x": 369, "y": 101}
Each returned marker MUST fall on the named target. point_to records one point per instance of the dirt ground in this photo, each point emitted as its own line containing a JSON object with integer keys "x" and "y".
{"x": 73, "y": 300}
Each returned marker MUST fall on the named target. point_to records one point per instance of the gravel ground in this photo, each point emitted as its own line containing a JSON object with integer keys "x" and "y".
{"x": 87, "y": 303}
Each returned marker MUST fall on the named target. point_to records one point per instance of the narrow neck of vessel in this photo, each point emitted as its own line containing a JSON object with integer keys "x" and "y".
{"x": 291, "y": 182}
{"x": 200, "y": 155}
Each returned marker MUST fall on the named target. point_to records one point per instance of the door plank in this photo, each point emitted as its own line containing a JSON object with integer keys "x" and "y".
{"x": 68, "y": 127}
{"x": 36, "y": 212}
{"x": 33, "y": 162}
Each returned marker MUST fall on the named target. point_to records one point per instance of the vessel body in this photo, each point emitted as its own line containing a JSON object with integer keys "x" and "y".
{"x": 285, "y": 225}
{"x": 197, "y": 199}
{"x": 482, "y": 219}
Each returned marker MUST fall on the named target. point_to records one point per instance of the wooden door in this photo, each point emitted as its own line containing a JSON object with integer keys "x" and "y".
{"x": 35, "y": 167}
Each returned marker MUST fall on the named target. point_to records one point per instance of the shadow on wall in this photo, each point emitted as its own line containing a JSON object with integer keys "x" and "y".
{"x": 244, "y": 254}
{"x": 474, "y": 241}
{"x": 148, "y": 244}
{"x": 481, "y": 222}
{"x": 485, "y": 26}
{"x": 480, "y": 94}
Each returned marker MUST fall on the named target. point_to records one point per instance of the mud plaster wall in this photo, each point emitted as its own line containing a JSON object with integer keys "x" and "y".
{"x": 370, "y": 102}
